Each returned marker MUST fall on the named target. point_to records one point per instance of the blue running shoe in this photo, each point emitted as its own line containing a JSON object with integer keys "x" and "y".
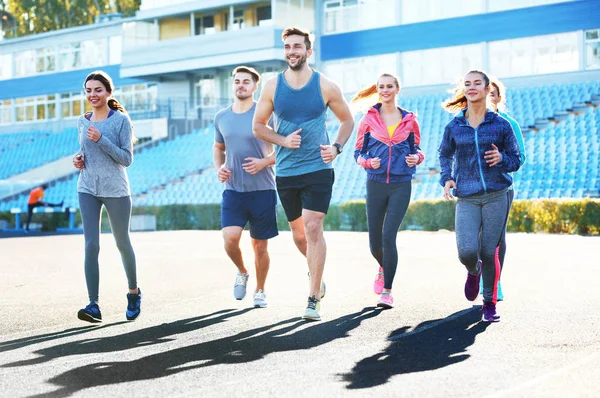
{"x": 91, "y": 313}
{"x": 134, "y": 304}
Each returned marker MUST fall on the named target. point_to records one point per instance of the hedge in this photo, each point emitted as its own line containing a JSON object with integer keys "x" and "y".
{"x": 546, "y": 215}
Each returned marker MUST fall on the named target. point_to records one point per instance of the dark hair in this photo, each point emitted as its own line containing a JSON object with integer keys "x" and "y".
{"x": 370, "y": 91}
{"x": 458, "y": 101}
{"x": 292, "y": 30}
{"x": 107, "y": 82}
{"x": 44, "y": 186}
{"x": 247, "y": 69}
{"x": 112, "y": 103}
{"x": 497, "y": 84}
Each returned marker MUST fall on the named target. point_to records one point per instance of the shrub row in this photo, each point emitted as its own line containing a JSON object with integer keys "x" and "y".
{"x": 549, "y": 215}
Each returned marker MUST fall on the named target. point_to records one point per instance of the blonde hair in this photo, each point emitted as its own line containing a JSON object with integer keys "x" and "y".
{"x": 365, "y": 97}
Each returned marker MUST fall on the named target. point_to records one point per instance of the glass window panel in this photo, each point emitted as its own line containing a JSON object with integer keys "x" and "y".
{"x": 51, "y": 110}
{"x": 20, "y": 114}
{"x": 6, "y": 66}
{"x": 30, "y": 113}
{"x": 263, "y": 16}
{"x": 115, "y": 49}
{"x": 65, "y": 109}
{"x": 77, "y": 110}
{"x": 41, "y": 112}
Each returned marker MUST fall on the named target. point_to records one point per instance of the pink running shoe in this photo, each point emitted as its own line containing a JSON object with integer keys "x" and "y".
{"x": 386, "y": 301}
{"x": 379, "y": 282}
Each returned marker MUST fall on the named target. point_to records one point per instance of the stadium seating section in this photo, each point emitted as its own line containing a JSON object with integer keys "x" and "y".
{"x": 562, "y": 157}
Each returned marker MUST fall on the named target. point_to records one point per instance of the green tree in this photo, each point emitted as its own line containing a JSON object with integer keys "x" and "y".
{"x": 38, "y": 16}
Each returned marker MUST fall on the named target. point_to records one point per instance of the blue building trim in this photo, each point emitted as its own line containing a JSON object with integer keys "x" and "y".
{"x": 511, "y": 24}
{"x": 61, "y": 82}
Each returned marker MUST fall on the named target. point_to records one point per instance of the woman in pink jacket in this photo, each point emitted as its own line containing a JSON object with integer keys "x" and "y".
{"x": 387, "y": 147}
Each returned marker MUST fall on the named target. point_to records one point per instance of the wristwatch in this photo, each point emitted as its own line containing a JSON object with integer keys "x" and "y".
{"x": 339, "y": 147}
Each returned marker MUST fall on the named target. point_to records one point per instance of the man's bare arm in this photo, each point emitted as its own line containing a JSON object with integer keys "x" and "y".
{"x": 218, "y": 155}
{"x": 339, "y": 107}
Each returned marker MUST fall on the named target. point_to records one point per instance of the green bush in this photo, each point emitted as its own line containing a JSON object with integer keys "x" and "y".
{"x": 548, "y": 215}
{"x": 355, "y": 215}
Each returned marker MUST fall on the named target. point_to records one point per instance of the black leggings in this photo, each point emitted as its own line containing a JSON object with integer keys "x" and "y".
{"x": 386, "y": 207}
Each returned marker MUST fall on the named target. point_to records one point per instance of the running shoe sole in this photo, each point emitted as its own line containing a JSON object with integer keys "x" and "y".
{"x": 84, "y": 316}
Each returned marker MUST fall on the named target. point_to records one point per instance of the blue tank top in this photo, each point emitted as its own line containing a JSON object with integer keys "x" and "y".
{"x": 303, "y": 108}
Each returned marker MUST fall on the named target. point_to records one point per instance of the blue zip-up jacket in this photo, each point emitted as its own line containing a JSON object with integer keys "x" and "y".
{"x": 373, "y": 141}
{"x": 462, "y": 155}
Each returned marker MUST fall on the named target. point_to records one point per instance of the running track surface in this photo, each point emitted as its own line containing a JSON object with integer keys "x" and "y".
{"x": 194, "y": 339}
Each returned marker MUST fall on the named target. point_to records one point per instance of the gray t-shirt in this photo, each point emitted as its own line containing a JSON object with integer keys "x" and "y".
{"x": 235, "y": 131}
{"x": 105, "y": 161}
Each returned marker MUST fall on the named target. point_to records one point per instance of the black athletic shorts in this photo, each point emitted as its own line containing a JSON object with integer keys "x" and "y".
{"x": 310, "y": 191}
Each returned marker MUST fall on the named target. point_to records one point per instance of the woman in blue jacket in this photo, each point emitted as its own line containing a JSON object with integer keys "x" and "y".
{"x": 478, "y": 151}
{"x": 498, "y": 101}
{"x": 387, "y": 146}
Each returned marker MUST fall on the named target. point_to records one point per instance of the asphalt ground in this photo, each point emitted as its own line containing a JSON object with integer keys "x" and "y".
{"x": 194, "y": 339}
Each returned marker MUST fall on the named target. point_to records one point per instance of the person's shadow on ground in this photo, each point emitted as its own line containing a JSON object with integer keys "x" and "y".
{"x": 61, "y": 334}
{"x": 142, "y": 337}
{"x": 431, "y": 345}
{"x": 247, "y": 346}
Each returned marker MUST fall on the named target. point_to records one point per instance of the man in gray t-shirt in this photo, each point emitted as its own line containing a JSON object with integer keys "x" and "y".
{"x": 245, "y": 164}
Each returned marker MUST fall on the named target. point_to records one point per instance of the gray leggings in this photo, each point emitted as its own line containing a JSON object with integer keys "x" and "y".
{"x": 386, "y": 207}
{"x": 119, "y": 213}
{"x": 480, "y": 224}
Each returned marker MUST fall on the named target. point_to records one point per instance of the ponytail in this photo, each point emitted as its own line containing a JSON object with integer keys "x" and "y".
{"x": 365, "y": 96}
{"x": 365, "y": 93}
{"x": 115, "y": 105}
{"x": 458, "y": 101}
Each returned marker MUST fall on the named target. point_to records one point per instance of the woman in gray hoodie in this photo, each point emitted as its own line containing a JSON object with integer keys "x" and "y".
{"x": 106, "y": 139}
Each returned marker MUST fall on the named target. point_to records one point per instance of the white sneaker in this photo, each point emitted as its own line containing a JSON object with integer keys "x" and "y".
{"x": 260, "y": 299}
{"x": 312, "y": 310}
{"x": 239, "y": 289}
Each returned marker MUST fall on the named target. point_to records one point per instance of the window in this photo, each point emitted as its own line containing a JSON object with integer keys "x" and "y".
{"x": 263, "y": 16}
{"x": 6, "y": 112}
{"x": 502, "y": 5}
{"x": 25, "y": 63}
{"x": 238, "y": 20}
{"x": 115, "y": 47}
{"x": 93, "y": 53}
{"x": 429, "y": 10}
{"x": 205, "y": 25}
{"x": 357, "y": 73}
{"x": 138, "y": 97}
{"x": 70, "y": 56}
{"x": 439, "y": 65}
{"x": 139, "y": 33}
{"x": 592, "y": 49}
{"x": 206, "y": 91}
{"x": 72, "y": 104}
{"x": 45, "y": 60}
{"x": 534, "y": 55}
{"x": 6, "y": 66}
{"x": 348, "y": 15}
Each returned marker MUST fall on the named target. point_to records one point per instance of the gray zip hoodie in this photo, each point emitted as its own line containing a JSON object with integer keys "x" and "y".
{"x": 105, "y": 161}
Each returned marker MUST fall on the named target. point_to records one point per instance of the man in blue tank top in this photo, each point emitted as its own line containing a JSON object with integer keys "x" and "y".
{"x": 244, "y": 163}
{"x": 298, "y": 99}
